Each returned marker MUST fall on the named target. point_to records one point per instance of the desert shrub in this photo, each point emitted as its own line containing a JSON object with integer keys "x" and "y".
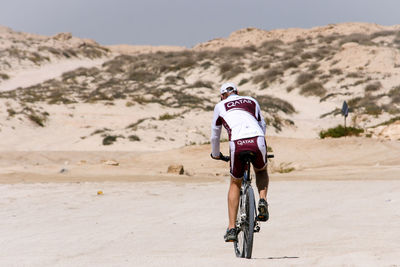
{"x": 371, "y": 108}
{"x": 171, "y": 79}
{"x": 133, "y": 138}
{"x": 360, "y": 38}
{"x": 299, "y": 44}
{"x": 231, "y": 52}
{"x": 271, "y": 46}
{"x": 99, "y": 131}
{"x": 174, "y": 79}
{"x": 274, "y": 104}
{"x": 313, "y": 88}
{"x": 294, "y": 63}
{"x": 334, "y": 112}
{"x": 335, "y": 71}
{"x": 382, "y": 34}
{"x": 185, "y": 63}
{"x": 372, "y": 87}
{"x": 68, "y": 53}
{"x": 109, "y": 139}
{"x": 51, "y": 50}
{"x": 304, "y": 77}
{"x": 289, "y": 88}
{"x": 313, "y": 66}
{"x": 394, "y": 94}
{"x": 140, "y": 99}
{"x": 38, "y": 119}
{"x": 91, "y": 51}
{"x": 259, "y": 78}
{"x": 142, "y": 76}
{"x": 230, "y": 70}
{"x": 167, "y": 116}
{"x": 11, "y": 112}
{"x": 206, "y": 64}
{"x": 243, "y": 81}
{"x": 340, "y": 131}
{"x": 354, "y": 75}
{"x": 367, "y": 104}
{"x": 328, "y": 39}
{"x": 388, "y": 122}
{"x": 15, "y": 52}
{"x": 135, "y": 124}
{"x": 37, "y": 58}
{"x": 273, "y": 73}
{"x": 115, "y": 65}
{"x": 58, "y": 96}
{"x": 285, "y": 167}
{"x": 269, "y": 76}
{"x": 200, "y": 83}
{"x": 185, "y": 100}
{"x": 323, "y": 52}
{"x": 257, "y": 64}
{"x": 306, "y": 55}
{"x": 4, "y": 76}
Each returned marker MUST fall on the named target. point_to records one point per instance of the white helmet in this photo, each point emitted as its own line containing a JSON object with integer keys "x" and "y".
{"x": 227, "y": 87}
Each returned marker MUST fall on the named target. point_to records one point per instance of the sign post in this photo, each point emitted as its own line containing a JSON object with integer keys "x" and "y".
{"x": 345, "y": 112}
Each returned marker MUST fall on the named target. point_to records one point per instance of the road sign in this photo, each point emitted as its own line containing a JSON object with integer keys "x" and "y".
{"x": 345, "y": 109}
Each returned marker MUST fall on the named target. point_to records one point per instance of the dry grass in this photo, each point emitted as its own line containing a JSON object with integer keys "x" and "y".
{"x": 304, "y": 77}
{"x": 372, "y": 87}
{"x": 313, "y": 89}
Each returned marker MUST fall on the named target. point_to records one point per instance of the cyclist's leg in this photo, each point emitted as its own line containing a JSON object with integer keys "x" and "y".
{"x": 236, "y": 170}
{"x": 262, "y": 181}
{"x": 260, "y": 168}
{"x": 233, "y": 200}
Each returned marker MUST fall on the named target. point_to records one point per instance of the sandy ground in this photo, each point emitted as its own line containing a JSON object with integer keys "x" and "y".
{"x": 323, "y": 223}
{"x": 340, "y": 207}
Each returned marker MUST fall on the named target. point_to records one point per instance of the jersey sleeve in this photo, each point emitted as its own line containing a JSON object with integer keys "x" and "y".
{"x": 260, "y": 118}
{"x": 216, "y": 127}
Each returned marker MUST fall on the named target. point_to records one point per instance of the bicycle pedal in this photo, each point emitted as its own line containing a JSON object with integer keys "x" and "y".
{"x": 257, "y": 229}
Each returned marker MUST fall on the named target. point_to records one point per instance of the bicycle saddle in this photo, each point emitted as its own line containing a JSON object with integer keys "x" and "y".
{"x": 247, "y": 156}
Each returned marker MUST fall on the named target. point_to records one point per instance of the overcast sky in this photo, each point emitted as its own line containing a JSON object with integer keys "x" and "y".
{"x": 184, "y": 22}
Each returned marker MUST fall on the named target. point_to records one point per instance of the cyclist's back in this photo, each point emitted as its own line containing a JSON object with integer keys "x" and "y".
{"x": 240, "y": 115}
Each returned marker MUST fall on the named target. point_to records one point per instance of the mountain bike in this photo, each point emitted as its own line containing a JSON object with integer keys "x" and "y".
{"x": 246, "y": 220}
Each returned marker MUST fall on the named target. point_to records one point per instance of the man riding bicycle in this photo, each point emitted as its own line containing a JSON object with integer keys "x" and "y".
{"x": 241, "y": 117}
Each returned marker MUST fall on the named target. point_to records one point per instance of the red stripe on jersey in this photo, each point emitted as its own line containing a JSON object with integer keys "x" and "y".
{"x": 243, "y": 104}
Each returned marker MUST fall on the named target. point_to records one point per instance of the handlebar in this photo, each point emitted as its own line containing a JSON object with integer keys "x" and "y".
{"x": 228, "y": 158}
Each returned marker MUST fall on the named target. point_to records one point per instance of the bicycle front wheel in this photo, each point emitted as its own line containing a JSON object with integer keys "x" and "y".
{"x": 245, "y": 222}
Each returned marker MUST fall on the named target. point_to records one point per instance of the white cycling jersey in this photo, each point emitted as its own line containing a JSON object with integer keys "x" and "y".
{"x": 241, "y": 117}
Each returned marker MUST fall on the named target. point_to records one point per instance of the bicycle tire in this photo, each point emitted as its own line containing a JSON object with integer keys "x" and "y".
{"x": 251, "y": 220}
{"x": 239, "y": 244}
{"x": 244, "y": 246}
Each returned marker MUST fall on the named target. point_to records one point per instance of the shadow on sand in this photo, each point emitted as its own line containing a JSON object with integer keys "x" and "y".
{"x": 277, "y": 258}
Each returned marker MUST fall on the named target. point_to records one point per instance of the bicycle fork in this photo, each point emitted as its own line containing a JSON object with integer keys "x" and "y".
{"x": 242, "y": 218}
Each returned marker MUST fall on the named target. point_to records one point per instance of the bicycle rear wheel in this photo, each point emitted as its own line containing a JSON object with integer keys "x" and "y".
{"x": 245, "y": 220}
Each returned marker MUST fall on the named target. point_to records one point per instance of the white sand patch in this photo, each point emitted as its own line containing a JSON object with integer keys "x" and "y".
{"x": 28, "y": 77}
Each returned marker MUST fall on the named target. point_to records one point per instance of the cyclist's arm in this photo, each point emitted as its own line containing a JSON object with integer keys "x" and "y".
{"x": 260, "y": 118}
{"x": 216, "y": 128}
